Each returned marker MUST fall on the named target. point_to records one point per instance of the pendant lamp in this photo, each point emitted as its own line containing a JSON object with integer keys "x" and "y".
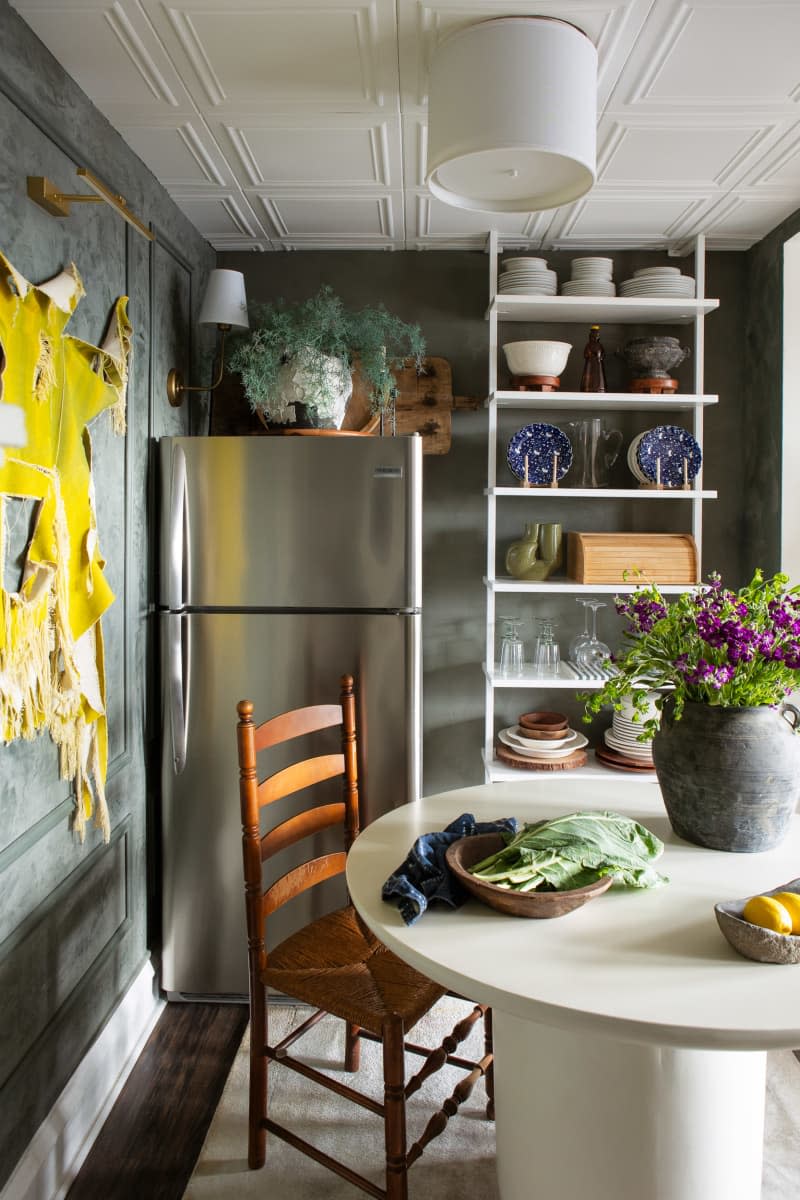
{"x": 512, "y": 115}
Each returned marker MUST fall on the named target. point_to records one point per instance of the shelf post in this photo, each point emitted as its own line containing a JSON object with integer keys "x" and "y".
{"x": 491, "y": 506}
{"x": 699, "y": 373}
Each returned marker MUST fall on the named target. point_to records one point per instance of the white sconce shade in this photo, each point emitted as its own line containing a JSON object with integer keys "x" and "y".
{"x": 512, "y": 115}
{"x": 224, "y": 305}
{"x": 225, "y": 302}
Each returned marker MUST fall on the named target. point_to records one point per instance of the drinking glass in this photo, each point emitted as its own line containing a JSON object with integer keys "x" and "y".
{"x": 512, "y": 648}
{"x": 593, "y": 654}
{"x": 580, "y": 638}
{"x": 546, "y": 655}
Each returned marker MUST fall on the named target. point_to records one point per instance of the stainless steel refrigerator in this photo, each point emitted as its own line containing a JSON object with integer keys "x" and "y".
{"x": 285, "y": 562}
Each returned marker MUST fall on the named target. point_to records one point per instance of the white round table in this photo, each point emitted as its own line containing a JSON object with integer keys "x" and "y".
{"x": 630, "y": 1038}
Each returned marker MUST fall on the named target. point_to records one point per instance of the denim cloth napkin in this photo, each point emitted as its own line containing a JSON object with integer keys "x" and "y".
{"x": 424, "y": 875}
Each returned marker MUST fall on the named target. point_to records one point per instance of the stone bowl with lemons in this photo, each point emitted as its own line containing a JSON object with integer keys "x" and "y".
{"x": 764, "y": 927}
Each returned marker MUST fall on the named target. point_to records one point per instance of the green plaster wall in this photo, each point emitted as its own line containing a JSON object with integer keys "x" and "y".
{"x": 73, "y": 918}
{"x": 761, "y": 351}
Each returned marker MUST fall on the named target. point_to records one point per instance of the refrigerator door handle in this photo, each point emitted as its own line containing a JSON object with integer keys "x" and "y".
{"x": 178, "y": 540}
{"x": 179, "y": 668}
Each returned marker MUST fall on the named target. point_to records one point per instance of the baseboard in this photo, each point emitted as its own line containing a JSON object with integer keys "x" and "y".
{"x": 58, "y": 1148}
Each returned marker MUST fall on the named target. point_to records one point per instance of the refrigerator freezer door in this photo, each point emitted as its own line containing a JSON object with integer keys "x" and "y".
{"x": 280, "y": 661}
{"x": 291, "y": 522}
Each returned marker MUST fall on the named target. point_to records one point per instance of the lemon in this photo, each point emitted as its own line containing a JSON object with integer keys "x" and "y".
{"x": 791, "y": 902}
{"x": 767, "y": 912}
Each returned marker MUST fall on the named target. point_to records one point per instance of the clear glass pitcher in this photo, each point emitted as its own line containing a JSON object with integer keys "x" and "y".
{"x": 594, "y": 452}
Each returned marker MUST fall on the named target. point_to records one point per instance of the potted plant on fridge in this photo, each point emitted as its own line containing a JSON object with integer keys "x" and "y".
{"x": 297, "y": 360}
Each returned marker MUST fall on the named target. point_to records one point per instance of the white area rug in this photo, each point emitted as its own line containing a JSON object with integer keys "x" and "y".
{"x": 459, "y": 1165}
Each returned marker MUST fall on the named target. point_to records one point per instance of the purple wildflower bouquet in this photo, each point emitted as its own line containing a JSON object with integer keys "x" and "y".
{"x": 711, "y": 646}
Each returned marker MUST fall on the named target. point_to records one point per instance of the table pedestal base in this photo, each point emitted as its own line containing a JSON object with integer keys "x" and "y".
{"x": 585, "y": 1115}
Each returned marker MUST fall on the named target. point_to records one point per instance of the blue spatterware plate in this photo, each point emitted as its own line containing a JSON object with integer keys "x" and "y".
{"x": 540, "y": 442}
{"x": 671, "y": 445}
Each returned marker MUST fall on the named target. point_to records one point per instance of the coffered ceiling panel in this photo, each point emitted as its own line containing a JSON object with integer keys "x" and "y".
{"x": 432, "y": 223}
{"x": 303, "y": 123}
{"x": 275, "y": 54}
{"x": 706, "y": 155}
{"x": 318, "y": 151}
{"x": 651, "y": 219}
{"x": 720, "y": 52}
{"x": 738, "y": 217}
{"x": 358, "y": 219}
{"x": 111, "y": 51}
{"x": 179, "y": 155}
{"x": 221, "y": 216}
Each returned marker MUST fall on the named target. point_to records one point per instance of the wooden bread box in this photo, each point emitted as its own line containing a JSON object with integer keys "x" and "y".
{"x": 646, "y": 557}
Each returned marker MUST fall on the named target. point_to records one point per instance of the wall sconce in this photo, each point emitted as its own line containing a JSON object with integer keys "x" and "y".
{"x": 224, "y": 305}
{"x": 527, "y": 140}
{"x": 48, "y": 197}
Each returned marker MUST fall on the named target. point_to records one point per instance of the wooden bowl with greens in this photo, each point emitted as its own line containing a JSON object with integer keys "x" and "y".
{"x": 468, "y": 851}
{"x": 548, "y": 868}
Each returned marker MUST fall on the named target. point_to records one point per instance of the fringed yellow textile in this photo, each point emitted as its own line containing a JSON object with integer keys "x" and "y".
{"x": 52, "y": 673}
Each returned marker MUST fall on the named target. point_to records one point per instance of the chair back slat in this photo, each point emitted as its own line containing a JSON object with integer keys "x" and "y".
{"x": 314, "y": 820}
{"x": 298, "y": 776}
{"x": 294, "y": 724}
{"x": 300, "y": 879}
{"x": 258, "y": 846}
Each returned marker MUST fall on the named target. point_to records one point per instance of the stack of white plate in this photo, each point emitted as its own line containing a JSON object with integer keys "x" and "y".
{"x": 658, "y": 282}
{"x": 590, "y": 277}
{"x": 674, "y": 449}
{"x": 527, "y": 277}
{"x": 514, "y": 738}
{"x": 624, "y": 732}
{"x": 640, "y": 752}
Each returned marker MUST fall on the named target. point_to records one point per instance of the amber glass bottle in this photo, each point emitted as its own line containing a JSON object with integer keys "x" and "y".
{"x": 593, "y": 378}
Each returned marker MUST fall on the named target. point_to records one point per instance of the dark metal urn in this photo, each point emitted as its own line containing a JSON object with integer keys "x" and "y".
{"x": 729, "y": 777}
{"x": 653, "y": 357}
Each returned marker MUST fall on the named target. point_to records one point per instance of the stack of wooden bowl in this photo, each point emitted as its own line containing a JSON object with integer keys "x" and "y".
{"x": 541, "y": 741}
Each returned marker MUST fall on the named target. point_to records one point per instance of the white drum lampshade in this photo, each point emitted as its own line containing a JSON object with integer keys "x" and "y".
{"x": 512, "y": 115}
{"x": 225, "y": 302}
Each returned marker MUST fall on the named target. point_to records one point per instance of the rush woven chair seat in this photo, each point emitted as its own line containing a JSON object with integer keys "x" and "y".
{"x": 334, "y": 963}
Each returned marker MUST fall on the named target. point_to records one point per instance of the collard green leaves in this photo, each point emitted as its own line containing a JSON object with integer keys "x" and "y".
{"x": 573, "y": 851}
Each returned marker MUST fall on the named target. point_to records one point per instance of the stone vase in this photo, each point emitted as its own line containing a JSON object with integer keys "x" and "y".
{"x": 729, "y": 777}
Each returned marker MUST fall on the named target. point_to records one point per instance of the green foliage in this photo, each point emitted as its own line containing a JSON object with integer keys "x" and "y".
{"x": 709, "y": 646}
{"x": 311, "y": 332}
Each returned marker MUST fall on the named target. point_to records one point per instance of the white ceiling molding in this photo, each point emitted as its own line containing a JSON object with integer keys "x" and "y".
{"x": 277, "y": 125}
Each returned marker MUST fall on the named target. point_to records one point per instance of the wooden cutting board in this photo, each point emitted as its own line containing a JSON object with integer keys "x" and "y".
{"x": 576, "y": 759}
{"x": 424, "y": 405}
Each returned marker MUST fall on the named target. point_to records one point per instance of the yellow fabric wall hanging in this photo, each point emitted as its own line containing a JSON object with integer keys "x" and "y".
{"x": 51, "y": 646}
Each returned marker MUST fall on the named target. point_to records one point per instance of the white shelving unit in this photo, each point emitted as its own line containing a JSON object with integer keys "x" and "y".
{"x": 580, "y": 311}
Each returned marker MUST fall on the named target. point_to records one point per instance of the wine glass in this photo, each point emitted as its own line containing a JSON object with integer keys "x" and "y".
{"x": 512, "y": 648}
{"x": 594, "y": 654}
{"x": 546, "y": 655}
{"x": 580, "y": 638}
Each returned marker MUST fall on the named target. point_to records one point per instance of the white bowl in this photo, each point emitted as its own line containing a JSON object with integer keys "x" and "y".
{"x": 536, "y": 358}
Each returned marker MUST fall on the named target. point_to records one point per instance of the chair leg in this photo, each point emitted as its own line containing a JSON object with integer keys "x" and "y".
{"x": 257, "y": 1113}
{"x": 352, "y": 1048}
{"x": 394, "y": 1109}
{"x": 489, "y": 1049}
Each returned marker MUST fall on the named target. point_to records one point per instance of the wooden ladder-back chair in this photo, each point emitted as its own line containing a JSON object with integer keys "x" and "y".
{"x": 334, "y": 963}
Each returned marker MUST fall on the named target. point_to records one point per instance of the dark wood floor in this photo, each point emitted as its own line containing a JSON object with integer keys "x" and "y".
{"x": 147, "y": 1148}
